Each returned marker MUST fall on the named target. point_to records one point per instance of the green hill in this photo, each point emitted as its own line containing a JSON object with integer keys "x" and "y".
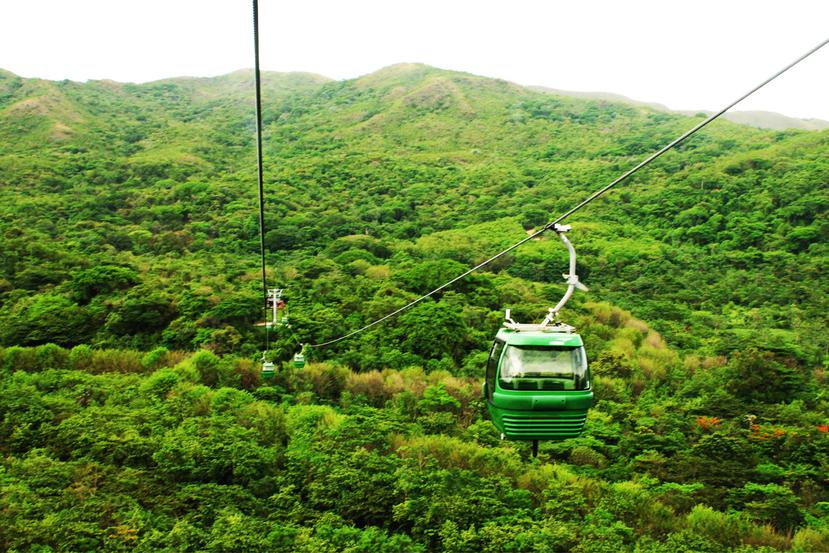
{"x": 129, "y": 239}
{"x": 726, "y": 234}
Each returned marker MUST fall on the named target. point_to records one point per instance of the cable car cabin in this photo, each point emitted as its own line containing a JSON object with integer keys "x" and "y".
{"x": 268, "y": 370}
{"x": 299, "y": 361}
{"x": 538, "y": 384}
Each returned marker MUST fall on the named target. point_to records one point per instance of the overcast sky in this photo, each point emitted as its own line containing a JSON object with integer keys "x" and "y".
{"x": 687, "y": 55}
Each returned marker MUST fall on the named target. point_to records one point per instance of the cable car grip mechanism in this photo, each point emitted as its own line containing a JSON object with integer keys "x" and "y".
{"x": 550, "y": 322}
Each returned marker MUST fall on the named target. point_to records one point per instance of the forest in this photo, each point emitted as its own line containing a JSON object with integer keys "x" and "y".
{"x": 133, "y": 415}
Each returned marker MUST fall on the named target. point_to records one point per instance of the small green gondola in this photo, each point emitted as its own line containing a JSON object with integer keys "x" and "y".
{"x": 267, "y": 370}
{"x": 299, "y": 359}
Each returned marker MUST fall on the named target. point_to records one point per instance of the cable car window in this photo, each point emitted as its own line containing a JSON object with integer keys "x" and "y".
{"x": 544, "y": 368}
{"x": 492, "y": 365}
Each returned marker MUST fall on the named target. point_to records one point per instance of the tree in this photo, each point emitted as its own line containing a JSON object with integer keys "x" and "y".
{"x": 101, "y": 279}
{"x": 433, "y": 330}
{"x": 757, "y": 376}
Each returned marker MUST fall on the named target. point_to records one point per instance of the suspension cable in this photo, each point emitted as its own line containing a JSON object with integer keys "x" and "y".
{"x": 580, "y": 205}
{"x": 257, "y": 79}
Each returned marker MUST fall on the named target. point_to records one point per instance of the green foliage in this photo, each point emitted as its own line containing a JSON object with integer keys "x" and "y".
{"x": 728, "y": 530}
{"x": 435, "y": 398}
{"x": 142, "y": 311}
{"x": 50, "y": 356}
{"x": 156, "y": 358}
{"x": 209, "y": 367}
{"x": 160, "y": 383}
{"x": 809, "y": 539}
{"x": 433, "y": 330}
{"x": 191, "y": 466}
{"x": 758, "y": 376}
{"x": 709, "y": 432}
{"x": 771, "y": 503}
{"x": 101, "y": 279}
{"x": 375, "y": 198}
{"x": 20, "y": 359}
{"x": 47, "y": 318}
{"x": 80, "y": 357}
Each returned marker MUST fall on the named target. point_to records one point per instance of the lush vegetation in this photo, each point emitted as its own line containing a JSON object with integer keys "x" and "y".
{"x": 129, "y": 239}
{"x": 116, "y": 449}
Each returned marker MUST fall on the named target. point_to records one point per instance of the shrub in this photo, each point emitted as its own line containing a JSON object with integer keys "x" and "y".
{"x": 370, "y": 385}
{"x": 80, "y": 357}
{"x": 751, "y": 371}
{"x": 638, "y": 509}
{"x": 327, "y": 381}
{"x": 248, "y": 373}
{"x": 680, "y": 497}
{"x": 728, "y": 530}
{"x": 230, "y": 400}
{"x": 769, "y": 503}
{"x": 608, "y": 314}
{"x": 610, "y": 389}
{"x": 268, "y": 393}
{"x": 17, "y": 358}
{"x": 309, "y": 418}
{"x": 51, "y": 356}
{"x": 405, "y": 403}
{"x": 453, "y": 453}
{"x": 160, "y": 383}
{"x": 438, "y": 423}
{"x": 655, "y": 361}
{"x": 810, "y": 539}
{"x": 685, "y": 541}
{"x": 208, "y": 366}
{"x": 156, "y": 358}
{"x": 267, "y": 420}
{"x": 101, "y": 279}
{"x": 474, "y": 363}
{"x": 539, "y": 478}
{"x": 436, "y": 398}
{"x": 583, "y": 455}
{"x": 763, "y": 538}
{"x": 612, "y": 364}
{"x": 113, "y": 360}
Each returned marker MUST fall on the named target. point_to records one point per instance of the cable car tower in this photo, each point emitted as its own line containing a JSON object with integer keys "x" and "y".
{"x": 279, "y": 316}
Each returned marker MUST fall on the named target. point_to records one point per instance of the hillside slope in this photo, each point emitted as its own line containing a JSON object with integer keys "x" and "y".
{"x": 729, "y": 232}
{"x": 129, "y": 238}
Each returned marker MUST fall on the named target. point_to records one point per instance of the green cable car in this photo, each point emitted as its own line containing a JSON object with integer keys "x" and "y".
{"x": 538, "y": 384}
{"x": 268, "y": 370}
{"x": 537, "y": 381}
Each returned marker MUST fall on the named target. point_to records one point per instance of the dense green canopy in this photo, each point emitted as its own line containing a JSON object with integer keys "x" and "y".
{"x": 129, "y": 240}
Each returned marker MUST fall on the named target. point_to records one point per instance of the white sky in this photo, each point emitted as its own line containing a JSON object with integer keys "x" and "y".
{"x": 697, "y": 54}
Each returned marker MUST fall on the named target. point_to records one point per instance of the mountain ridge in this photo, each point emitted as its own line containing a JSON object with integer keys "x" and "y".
{"x": 753, "y": 118}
